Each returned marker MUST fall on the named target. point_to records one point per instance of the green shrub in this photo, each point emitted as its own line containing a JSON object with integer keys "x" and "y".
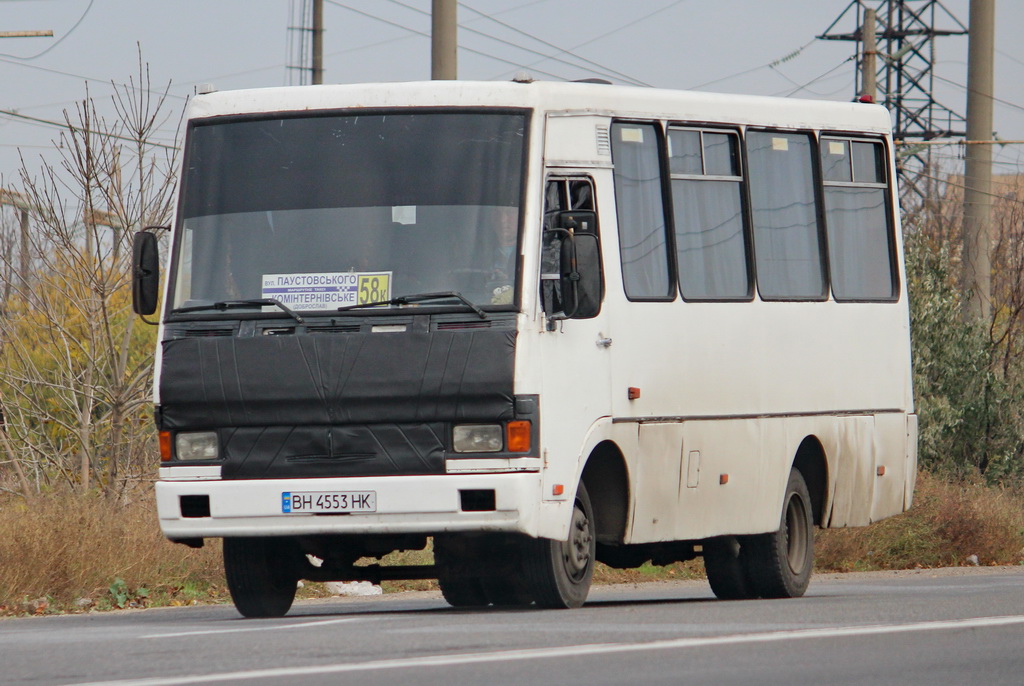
{"x": 966, "y": 402}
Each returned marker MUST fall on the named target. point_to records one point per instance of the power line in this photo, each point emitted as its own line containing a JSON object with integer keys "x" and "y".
{"x": 89, "y": 79}
{"x": 556, "y": 47}
{"x": 467, "y": 29}
{"x": 814, "y": 80}
{"x": 427, "y": 35}
{"x": 1010, "y": 164}
{"x": 629, "y": 25}
{"x": 994, "y": 141}
{"x": 65, "y": 125}
{"x": 59, "y": 40}
{"x": 968, "y": 90}
{"x": 1009, "y": 56}
{"x": 774, "y": 63}
{"x": 279, "y": 65}
{"x": 964, "y": 187}
{"x": 616, "y": 30}
{"x": 412, "y": 32}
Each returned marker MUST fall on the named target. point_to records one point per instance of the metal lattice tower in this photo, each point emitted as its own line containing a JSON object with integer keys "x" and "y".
{"x": 300, "y": 33}
{"x": 906, "y": 32}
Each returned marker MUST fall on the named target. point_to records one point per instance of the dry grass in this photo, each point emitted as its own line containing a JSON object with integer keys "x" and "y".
{"x": 59, "y": 553}
{"x": 69, "y": 553}
{"x": 949, "y": 522}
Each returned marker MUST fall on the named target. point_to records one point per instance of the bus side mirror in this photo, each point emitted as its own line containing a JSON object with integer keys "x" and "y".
{"x": 581, "y": 276}
{"x": 145, "y": 273}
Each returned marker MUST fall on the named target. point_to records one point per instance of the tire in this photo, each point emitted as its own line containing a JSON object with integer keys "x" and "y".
{"x": 459, "y": 582}
{"x": 559, "y": 572}
{"x": 464, "y": 592}
{"x": 779, "y": 564}
{"x": 262, "y": 574}
{"x": 506, "y": 590}
{"x": 725, "y": 569}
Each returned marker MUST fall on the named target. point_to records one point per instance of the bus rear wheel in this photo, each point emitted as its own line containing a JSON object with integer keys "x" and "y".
{"x": 559, "y": 572}
{"x": 725, "y": 569}
{"x": 261, "y": 575}
{"x": 779, "y": 564}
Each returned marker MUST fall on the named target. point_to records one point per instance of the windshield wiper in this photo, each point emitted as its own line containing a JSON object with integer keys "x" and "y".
{"x": 418, "y": 298}
{"x": 235, "y": 304}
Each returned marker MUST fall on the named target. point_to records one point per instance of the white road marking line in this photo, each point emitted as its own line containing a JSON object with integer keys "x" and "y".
{"x": 569, "y": 651}
{"x": 276, "y": 627}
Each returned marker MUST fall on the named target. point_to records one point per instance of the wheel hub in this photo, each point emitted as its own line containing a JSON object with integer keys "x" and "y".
{"x": 576, "y": 550}
{"x": 796, "y": 534}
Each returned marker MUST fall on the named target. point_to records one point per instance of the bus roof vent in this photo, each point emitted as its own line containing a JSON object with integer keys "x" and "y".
{"x": 603, "y": 82}
{"x": 522, "y": 77}
{"x": 604, "y": 144}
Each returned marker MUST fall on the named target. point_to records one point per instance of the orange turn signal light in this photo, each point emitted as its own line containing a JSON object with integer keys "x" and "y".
{"x": 517, "y": 436}
{"x": 165, "y": 446}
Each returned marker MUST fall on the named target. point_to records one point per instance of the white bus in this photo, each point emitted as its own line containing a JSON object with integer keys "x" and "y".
{"x": 537, "y": 325}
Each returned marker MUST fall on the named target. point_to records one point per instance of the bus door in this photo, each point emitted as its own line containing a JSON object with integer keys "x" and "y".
{"x": 576, "y": 375}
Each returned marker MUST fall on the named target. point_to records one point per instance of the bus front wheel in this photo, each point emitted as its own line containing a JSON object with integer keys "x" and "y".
{"x": 559, "y": 572}
{"x": 457, "y": 576}
{"x": 261, "y": 575}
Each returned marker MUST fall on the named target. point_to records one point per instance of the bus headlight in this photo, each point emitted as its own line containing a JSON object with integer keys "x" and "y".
{"x": 201, "y": 445}
{"x": 477, "y": 438}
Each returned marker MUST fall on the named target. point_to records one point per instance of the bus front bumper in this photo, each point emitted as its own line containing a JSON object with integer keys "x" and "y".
{"x": 416, "y": 504}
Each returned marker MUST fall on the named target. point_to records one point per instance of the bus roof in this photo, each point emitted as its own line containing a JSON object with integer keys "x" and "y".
{"x": 553, "y": 98}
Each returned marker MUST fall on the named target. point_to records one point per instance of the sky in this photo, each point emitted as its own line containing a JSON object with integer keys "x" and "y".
{"x": 764, "y": 47}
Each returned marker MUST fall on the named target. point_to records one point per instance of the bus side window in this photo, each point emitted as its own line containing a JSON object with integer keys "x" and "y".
{"x": 860, "y": 241}
{"x": 787, "y": 236}
{"x": 639, "y": 201}
{"x": 710, "y": 227}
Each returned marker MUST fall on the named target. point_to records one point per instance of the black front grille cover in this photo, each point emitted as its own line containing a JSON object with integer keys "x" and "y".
{"x": 324, "y": 451}
{"x": 358, "y": 404}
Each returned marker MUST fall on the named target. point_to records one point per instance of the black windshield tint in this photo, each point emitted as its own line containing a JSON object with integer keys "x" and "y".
{"x": 312, "y": 210}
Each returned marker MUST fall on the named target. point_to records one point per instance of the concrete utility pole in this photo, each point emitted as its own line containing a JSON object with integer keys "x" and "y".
{"x": 26, "y": 34}
{"x": 977, "y": 267}
{"x": 318, "y": 42}
{"x": 869, "y": 68}
{"x": 23, "y": 205}
{"x": 444, "y": 41}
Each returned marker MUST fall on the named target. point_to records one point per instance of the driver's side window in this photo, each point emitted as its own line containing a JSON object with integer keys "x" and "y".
{"x": 561, "y": 194}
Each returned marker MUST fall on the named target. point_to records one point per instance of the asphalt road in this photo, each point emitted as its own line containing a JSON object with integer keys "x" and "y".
{"x": 929, "y": 627}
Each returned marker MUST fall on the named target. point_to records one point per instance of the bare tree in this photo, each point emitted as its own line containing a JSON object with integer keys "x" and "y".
{"x": 77, "y": 363}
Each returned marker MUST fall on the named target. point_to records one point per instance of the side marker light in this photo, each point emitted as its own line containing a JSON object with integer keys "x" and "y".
{"x": 165, "y": 446}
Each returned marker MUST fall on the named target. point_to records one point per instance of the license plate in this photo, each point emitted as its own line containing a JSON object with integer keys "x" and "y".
{"x": 320, "y": 502}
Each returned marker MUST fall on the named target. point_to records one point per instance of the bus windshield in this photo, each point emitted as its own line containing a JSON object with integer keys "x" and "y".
{"x": 322, "y": 212}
